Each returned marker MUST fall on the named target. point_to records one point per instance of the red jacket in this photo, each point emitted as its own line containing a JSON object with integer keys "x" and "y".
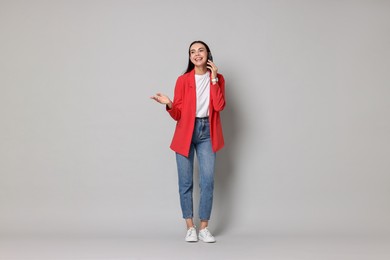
{"x": 184, "y": 111}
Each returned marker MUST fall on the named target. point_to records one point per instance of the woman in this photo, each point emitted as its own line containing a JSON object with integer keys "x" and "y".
{"x": 199, "y": 97}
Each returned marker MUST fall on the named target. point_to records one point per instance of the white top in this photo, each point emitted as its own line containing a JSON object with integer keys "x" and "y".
{"x": 202, "y": 94}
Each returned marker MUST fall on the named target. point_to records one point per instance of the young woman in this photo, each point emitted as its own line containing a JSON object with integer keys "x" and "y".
{"x": 199, "y": 97}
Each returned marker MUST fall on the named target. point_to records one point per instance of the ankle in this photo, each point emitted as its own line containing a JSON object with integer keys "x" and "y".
{"x": 189, "y": 223}
{"x": 203, "y": 225}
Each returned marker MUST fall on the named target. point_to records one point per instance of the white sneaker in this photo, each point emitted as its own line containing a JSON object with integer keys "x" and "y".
{"x": 206, "y": 236}
{"x": 191, "y": 235}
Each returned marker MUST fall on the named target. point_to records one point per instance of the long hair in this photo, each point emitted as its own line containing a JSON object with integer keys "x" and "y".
{"x": 191, "y": 65}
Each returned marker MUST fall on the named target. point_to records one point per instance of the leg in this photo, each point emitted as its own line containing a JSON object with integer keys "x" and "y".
{"x": 206, "y": 158}
{"x": 185, "y": 174}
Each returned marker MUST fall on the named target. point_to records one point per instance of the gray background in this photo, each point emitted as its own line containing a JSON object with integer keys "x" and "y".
{"x": 84, "y": 151}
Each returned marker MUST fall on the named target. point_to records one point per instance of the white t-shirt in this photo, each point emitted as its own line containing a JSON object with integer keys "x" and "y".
{"x": 202, "y": 94}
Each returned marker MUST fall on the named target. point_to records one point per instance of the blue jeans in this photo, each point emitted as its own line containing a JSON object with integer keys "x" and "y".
{"x": 201, "y": 143}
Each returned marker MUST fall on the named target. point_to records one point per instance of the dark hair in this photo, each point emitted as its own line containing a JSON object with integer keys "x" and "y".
{"x": 191, "y": 65}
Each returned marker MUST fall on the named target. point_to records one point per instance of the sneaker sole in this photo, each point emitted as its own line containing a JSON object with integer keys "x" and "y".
{"x": 191, "y": 240}
{"x": 207, "y": 241}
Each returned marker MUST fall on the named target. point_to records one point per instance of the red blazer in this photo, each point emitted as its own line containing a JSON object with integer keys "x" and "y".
{"x": 184, "y": 111}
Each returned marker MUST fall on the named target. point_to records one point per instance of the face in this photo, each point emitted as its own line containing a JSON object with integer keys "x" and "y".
{"x": 198, "y": 54}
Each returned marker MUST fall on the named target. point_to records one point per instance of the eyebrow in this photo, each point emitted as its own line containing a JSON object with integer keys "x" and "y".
{"x": 200, "y": 48}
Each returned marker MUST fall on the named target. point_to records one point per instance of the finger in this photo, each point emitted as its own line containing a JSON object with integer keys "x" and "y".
{"x": 211, "y": 63}
{"x": 212, "y": 66}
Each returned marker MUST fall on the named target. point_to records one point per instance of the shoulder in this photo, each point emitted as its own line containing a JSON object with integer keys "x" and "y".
{"x": 183, "y": 79}
{"x": 187, "y": 75}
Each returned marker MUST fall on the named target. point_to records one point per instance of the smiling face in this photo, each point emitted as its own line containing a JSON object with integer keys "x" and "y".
{"x": 198, "y": 55}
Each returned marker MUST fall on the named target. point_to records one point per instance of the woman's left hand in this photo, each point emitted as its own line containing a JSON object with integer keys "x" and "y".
{"x": 214, "y": 69}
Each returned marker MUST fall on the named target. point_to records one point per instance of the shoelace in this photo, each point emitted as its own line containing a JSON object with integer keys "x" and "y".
{"x": 206, "y": 232}
{"x": 189, "y": 231}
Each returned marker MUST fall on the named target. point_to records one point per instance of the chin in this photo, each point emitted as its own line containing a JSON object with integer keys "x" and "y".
{"x": 200, "y": 64}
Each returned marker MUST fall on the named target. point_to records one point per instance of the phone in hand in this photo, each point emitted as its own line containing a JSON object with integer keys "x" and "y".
{"x": 209, "y": 57}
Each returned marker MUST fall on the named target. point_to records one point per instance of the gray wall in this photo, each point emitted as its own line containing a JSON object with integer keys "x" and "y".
{"x": 85, "y": 151}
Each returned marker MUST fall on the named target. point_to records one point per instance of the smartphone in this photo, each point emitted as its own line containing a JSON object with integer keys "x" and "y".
{"x": 209, "y": 56}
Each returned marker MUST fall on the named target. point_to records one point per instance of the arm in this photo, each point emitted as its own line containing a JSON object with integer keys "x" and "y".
{"x": 217, "y": 89}
{"x": 218, "y": 94}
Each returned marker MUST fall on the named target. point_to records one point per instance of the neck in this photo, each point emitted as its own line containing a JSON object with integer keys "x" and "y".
{"x": 200, "y": 70}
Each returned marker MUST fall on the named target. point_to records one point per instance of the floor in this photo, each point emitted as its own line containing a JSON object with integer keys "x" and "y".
{"x": 226, "y": 247}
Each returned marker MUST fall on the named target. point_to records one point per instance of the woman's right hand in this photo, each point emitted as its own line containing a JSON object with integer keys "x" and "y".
{"x": 162, "y": 99}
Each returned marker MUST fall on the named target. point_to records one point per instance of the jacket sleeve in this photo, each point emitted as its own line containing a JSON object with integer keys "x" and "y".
{"x": 175, "y": 111}
{"x": 218, "y": 94}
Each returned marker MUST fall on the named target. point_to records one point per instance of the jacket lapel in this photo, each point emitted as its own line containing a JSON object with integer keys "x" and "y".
{"x": 191, "y": 79}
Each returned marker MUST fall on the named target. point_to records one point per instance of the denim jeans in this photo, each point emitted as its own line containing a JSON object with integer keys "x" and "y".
{"x": 201, "y": 143}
